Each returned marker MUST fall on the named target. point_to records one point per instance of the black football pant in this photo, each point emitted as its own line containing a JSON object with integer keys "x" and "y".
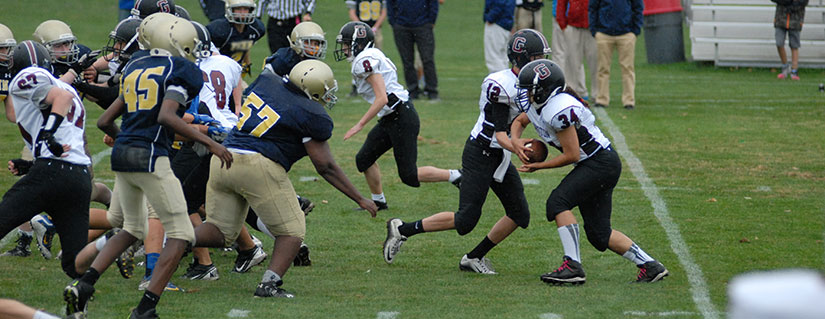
{"x": 193, "y": 172}
{"x": 399, "y": 131}
{"x": 406, "y": 39}
{"x": 277, "y": 32}
{"x": 60, "y": 189}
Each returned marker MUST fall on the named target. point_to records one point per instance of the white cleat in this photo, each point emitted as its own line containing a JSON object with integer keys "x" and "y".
{"x": 479, "y": 265}
{"x": 392, "y": 245}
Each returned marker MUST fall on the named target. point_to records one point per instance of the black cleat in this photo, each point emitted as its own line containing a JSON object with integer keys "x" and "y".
{"x": 149, "y": 314}
{"x": 570, "y": 272}
{"x": 306, "y": 205}
{"x": 651, "y": 271}
{"x": 22, "y": 248}
{"x": 249, "y": 258}
{"x": 302, "y": 258}
{"x": 272, "y": 289}
{"x": 77, "y": 295}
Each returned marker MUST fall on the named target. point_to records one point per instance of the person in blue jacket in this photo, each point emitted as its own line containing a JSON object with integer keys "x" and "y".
{"x": 616, "y": 24}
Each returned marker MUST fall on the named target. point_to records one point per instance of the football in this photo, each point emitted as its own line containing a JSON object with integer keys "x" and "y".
{"x": 539, "y": 153}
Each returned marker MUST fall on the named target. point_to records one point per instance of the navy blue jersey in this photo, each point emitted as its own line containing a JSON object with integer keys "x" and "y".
{"x": 148, "y": 80}
{"x": 232, "y": 43}
{"x": 60, "y": 67}
{"x": 367, "y": 11}
{"x": 276, "y": 119}
{"x": 283, "y": 60}
{"x": 5, "y": 78}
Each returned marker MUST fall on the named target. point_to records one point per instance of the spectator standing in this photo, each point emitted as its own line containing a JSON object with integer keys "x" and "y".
{"x": 528, "y": 14}
{"x": 371, "y": 12}
{"x": 284, "y": 15}
{"x": 789, "y": 17}
{"x": 212, "y": 9}
{"x": 498, "y": 23}
{"x": 412, "y": 25}
{"x": 579, "y": 44}
{"x": 124, "y": 9}
{"x": 616, "y": 24}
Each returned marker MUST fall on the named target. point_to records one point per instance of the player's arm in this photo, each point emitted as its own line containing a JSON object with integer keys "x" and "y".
{"x": 569, "y": 140}
{"x": 499, "y": 114}
{"x": 377, "y": 82}
{"x": 61, "y": 102}
{"x": 352, "y": 15}
{"x": 10, "y": 110}
{"x": 321, "y": 157}
{"x": 169, "y": 118}
{"x": 106, "y": 121}
{"x": 237, "y": 94}
{"x": 516, "y": 129}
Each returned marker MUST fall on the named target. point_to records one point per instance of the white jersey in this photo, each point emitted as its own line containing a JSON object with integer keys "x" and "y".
{"x": 114, "y": 65}
{"x": 220, "y": 76}
{"x": 371, "y": 61}
{"x": 561, "y": 111}
{"x": 496, "y": 89}
{"x": 28, "y": 90}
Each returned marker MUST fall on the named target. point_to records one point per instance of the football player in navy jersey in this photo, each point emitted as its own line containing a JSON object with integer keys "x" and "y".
{"x": 51, "y": 119}
{"x": 7, "y": 43}
{"x": 282, "y": 120}
{"x": 69, "y": 58}
{"x": 237, "y": 32}
{"x": 154, "y": 85}
{"x": 486, "y": 165}
{"x": 565, "y": 122}
{"x": 377, "y": 81}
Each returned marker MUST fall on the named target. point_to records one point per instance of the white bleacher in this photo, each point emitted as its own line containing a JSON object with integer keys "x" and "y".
{"x": 741, "y": 33}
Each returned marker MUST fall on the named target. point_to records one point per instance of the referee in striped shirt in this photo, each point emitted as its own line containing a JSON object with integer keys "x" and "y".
{"x": 284, "y": 15}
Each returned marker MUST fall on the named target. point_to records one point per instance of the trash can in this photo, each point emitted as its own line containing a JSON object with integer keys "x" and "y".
{"x": 663, "y": 31}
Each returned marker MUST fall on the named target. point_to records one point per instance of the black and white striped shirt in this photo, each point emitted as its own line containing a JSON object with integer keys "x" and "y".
{"x": 285, "y": 9}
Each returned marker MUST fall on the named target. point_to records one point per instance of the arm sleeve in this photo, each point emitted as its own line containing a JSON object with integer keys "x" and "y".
{"x": 592, "y": 15}
{"x": 433, "y": 13}
{"x": 638, "y": 17}
{"x": 33, "y": 85}
{"x": 364, "y": 67}
{"x": 561, "y": 120}
{"x": 350, "y": 4}
{"x": 499, "y": 116}
{"x": 561, "y": 13}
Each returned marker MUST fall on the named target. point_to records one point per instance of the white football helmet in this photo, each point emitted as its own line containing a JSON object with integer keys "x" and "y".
{"x": 316, "y": 80}
{"x": 169, "y": 35}
{"x": 307, "y": 39}
{"x": 237, "y": 17}
{"x": 55, "y": 33}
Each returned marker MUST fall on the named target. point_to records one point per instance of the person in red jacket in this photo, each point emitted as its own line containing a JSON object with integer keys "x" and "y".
{"x": 572, "y": 18}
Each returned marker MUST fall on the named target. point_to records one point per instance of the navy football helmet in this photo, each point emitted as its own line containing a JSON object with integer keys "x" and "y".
{"x": 29, "y": 53}
{"x": 525, "y": 45}
{"x": 538, "y": 81}
{"x": 357, "y": 36}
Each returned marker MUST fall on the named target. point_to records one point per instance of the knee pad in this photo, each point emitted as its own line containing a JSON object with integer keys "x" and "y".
{"x": 410, "y": 178}
{"x": 464, "y": 225}
{"x": 556, "y": 204}
{"x": 361, "y": 163}
{"x": 598, "y": 239}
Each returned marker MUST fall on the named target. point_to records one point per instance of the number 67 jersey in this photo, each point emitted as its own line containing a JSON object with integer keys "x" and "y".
{"x": 28, "y": 91}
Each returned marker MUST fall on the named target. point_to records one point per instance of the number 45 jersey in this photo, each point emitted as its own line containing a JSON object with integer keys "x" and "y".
{"x": 28, "y": 91}
{"x": 276, "y": 120}
{"x": 148, "y": 80}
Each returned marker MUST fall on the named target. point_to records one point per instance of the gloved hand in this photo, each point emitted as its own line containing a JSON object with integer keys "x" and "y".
{"x": 85, "y": 61}
{"x": 19, "y": 166}
{"x": 217, "y": 133}
{"x": 203, "y": 119}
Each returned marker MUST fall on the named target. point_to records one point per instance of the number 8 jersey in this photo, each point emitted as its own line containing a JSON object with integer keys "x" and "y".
{"x": 560, "y": 112}
{"x": 28, "y": 91}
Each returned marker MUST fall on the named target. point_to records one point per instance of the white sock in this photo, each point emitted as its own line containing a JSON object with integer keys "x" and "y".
{"x": 42, "y": 315}
{"x": 379, "y": 198}
{"x": 100, "y": 242}
{"x": 454, "y": 175}
{"x": 570, "y": 241}
{"x": 270, "y": 275}
{"x": 637, "y": 255}
{"x": 263, "y": 228}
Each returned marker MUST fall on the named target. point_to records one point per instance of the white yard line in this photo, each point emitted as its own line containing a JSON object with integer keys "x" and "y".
{"x": 101, "y": 155}
{"x": 387, "y": 315}
{"x": 550, "y": 315}
{"x": 661, "y": 314}
{"x": 698, "y": 286}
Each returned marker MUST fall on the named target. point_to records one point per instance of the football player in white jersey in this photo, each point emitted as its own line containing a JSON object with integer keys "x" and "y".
{"x": 377, "y": 82}
{"x": 51, "y": 119}
{"x": 565, "y": 122}
{"x": 486, "y": 165}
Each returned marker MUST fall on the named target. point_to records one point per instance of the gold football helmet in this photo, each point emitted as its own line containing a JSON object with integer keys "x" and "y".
{"x": 7, "y": 42}
{"x": 307, "y": 39}
{"x": 238, "y": 17}
{"x": 165, "y": 34}
{"x": 57, "y": 37}
{"x": 316, "y": 80}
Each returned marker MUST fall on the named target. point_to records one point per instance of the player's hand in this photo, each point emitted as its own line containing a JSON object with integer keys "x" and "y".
{"x": 306, "y": 17}
{"x": 369, "y": 206}
{"x": 90, "y": 74}
{"x": 108, "y": 140}
{"x": 203, "y": 119}
{"x": 19, "y": 166}
{"x": 354, "y": 130}
{"x": 529, "y": 168}
{"x": 518, "y": 144}
{"x": 217, "y": 133}
{"x": 221, "y": 152}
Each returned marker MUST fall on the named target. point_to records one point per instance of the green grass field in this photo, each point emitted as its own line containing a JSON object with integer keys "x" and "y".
{"x": 723, "y": 174}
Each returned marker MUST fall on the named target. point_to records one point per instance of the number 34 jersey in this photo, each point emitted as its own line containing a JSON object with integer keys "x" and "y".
{"x": 559, "y": 113}
{"x": 276, "y": 120}
{"x": 28, "y": 91}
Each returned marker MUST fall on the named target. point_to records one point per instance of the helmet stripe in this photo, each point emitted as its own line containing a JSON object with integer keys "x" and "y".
{"x": 32, "y": 53}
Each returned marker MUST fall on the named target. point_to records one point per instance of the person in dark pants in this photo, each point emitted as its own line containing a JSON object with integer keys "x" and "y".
{"x": 412, "y": 25}
{"x": 51, "y": 119}
{"x": 563, "y": 120}
{"x": 284, "y": 15}
{"x": 212, "y": 9}
{"x": 486, "y": 166}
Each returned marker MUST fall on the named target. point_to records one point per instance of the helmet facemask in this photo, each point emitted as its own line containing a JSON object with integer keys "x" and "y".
{"x": 63, "y": 50}
{"x": 313, "y": 46}
{"x": 5, "y": 58}
{"x": 240, "y": 17}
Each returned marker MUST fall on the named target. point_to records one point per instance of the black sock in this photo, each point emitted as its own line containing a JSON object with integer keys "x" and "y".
{"x": 149, "y": 301}
{"x": 409, "y": 229}
{"x": 482, "y": 249}
{"x": 91, "y": 276}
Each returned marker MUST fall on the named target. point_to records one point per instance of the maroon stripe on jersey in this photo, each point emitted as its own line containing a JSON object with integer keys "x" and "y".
{"x": 25, "y": 134}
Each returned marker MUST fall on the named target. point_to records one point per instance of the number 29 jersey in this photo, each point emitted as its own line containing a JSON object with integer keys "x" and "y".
{"x": 148, "y": 80}
{"x": 562, "y": 111}
{"x": 276, "y": 120}
{"x": 28, "y": 92}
